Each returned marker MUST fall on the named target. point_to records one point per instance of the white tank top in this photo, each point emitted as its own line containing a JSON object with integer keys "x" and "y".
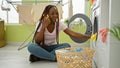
{"x": 50, "y": 38}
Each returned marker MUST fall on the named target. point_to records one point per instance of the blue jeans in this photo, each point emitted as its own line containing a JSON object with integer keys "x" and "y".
{"x": 46, "y": 52}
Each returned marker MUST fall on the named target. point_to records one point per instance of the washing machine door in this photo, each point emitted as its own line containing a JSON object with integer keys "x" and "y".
{"x": 82, "y": 24}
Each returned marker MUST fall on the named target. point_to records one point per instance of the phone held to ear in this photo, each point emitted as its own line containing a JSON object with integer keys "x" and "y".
{"x": 47, "y": 16}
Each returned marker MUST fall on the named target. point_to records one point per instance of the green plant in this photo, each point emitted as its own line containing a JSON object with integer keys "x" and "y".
{"x": 115, "y": 31}
{"x": 66, "y": 21}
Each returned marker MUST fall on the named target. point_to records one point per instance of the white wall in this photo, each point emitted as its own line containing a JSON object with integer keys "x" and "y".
{"x": 114, "y": 44}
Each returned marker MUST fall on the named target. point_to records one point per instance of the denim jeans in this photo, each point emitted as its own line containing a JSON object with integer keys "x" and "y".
{"x": 46, "y": 52}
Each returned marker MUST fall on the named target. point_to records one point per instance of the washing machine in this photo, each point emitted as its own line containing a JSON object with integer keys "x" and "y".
{"x": 100, "y": 20}
{"x": 95, "y": 27}
{"x": 95, "y": 20}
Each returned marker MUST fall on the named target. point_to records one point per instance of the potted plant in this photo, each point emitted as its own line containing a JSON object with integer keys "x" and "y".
{"x": 115, "y": 31}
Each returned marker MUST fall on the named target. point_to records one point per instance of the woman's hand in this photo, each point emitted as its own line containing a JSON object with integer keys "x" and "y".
{"x": 46, "y": 21}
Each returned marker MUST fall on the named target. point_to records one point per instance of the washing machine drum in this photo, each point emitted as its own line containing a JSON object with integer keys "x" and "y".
{"x": 80, "y": 23}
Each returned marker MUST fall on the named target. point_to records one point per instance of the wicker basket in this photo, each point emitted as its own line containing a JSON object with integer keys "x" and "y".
{"x": 70, "y": 58}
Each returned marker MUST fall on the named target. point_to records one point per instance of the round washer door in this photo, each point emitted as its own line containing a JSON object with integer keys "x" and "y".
{"x": 80, "y": 23}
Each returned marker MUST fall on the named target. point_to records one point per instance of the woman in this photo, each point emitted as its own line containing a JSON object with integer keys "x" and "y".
{"x": 46, "y": 37}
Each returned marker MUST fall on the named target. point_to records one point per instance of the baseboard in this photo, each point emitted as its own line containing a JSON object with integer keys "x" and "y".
{"x": 17, "y": 43}
{"x": 80, "y": 44}
{"x": 25, "y": 43}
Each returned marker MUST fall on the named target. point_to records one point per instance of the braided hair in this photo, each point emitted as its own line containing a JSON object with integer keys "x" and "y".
{"x": 46, "y": 11}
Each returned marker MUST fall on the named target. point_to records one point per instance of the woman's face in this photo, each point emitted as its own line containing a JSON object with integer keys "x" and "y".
{"x": 53, "y": 14}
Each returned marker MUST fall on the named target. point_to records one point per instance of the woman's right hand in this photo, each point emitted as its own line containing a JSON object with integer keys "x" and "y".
{"x": 46, "y": 21}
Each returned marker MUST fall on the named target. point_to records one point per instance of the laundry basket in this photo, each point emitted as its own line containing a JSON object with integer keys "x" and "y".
{"x": 74, "y": 58}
